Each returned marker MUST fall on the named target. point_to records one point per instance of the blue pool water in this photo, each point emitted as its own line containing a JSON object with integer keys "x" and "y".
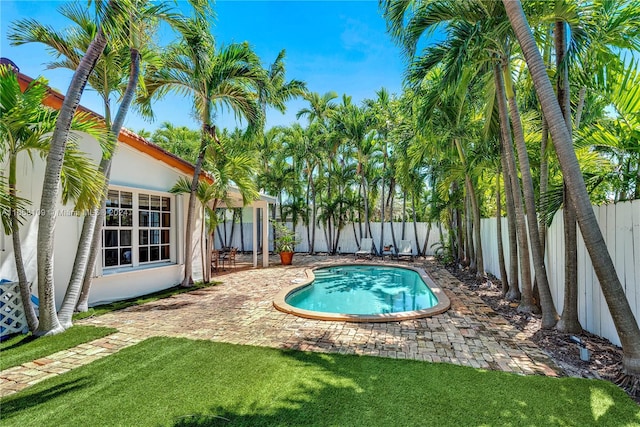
{"x": 362, "y": 289}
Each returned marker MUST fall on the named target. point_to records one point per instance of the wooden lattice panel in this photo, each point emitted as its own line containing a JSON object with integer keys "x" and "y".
{"x": 12, "y": 314}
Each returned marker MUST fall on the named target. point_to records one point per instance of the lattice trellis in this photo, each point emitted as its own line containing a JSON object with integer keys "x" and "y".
{"x": 12, "y": 314}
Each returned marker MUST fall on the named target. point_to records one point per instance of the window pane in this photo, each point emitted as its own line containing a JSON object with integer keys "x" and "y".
{"x": 143, "y": 201}
{"x": 126, "y": 217}
{"x": 126, "y": 199}
{"x": 144, "y": 237}
{"x": 143, "y": 218}
{"x": 125, "y": 237}
{"x": 154, "y": 237}
{"x": 165, "y": 236}
{"x": 110, "y": 238}
{"x": 144, "y": 254}
{"x": 110, "y": 257}
{"x": 154, "y": 254}
{"x": 166, "y": 219}
{"x": 112, "y": 199}
{"x": 111, "y": 218}
{"x": 155, "y": 203}
{"x": 166, "y": 204}
{"x": 154, "y": 219}
{"x": 164, "y": 252}
{"x": 125, "y": 256}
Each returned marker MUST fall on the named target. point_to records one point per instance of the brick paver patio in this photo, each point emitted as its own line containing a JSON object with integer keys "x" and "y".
{"x": 240, "y": 311}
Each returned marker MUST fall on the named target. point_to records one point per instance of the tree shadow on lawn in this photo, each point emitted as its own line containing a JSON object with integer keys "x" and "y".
{"x": 13, "y": 405}
{"x": 181, "y": 382}
{"x": 389, "y": 392}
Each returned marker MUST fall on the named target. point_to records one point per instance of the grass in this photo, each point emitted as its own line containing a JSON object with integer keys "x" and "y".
{"x": 180, "y": 382}
{"x": 25, "y": 348}
{"x": 119, "y": 305}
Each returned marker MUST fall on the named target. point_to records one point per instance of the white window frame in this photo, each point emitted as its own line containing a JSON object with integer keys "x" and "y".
{"x": 169, "y": 232}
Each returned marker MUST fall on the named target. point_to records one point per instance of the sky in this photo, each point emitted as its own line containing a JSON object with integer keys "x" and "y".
{"x": 339, "y": 46}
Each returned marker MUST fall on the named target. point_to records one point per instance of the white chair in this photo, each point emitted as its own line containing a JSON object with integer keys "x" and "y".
{"x": 366, "y": 244}
{"x": 405, "y": 249}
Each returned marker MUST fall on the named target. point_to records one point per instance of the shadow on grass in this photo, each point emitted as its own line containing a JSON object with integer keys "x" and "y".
{"x": 180, "y": 382}
{"x": 412, "y": 393}
{"x": 26, "y": 401}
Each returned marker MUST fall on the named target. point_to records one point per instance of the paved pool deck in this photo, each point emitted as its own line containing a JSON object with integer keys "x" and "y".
{"x": 240, "y": 311}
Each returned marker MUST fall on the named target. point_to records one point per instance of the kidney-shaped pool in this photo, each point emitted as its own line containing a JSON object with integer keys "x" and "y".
{"x": 364, "y": 293}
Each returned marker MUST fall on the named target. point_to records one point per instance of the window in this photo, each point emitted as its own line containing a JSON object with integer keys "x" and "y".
{"x": 118, "y": 227}
{"x": 154, "y": 216}
{"x": 137, "y": 229}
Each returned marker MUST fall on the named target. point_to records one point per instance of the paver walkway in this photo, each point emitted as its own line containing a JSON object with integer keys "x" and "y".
{"x": 240, "y": 311}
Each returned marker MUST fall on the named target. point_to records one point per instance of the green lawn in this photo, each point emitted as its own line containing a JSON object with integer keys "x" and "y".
{"x": 168, "y": 381}
{"x": 25, "y": 348}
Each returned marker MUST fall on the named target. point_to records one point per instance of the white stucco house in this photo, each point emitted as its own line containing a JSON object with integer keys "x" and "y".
{"x": 144, "y": 232}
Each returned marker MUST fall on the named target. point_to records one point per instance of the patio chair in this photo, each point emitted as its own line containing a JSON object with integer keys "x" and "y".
{"x": 366, "y": 245}
{"x": 405, "y": 250}
{"x": 215, "y": 260}
{"x": 232, "y": 257}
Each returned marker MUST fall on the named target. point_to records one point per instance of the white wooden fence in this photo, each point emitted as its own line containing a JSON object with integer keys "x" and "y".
{"x": 347, "y": 243}
{"x": 620, "y": 224}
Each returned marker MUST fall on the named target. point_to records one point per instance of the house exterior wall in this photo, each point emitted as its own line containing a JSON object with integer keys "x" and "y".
{"x": 132, "y": 171}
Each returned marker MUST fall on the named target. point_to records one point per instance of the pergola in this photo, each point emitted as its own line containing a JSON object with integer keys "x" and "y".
{"x": 262, "y": 203}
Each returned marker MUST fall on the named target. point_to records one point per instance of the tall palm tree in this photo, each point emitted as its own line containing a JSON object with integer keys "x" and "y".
{"x": 215, "y": 78}
{"x": 321, "y": 108}
{"x": 624, "y": 320}
{"x": 108, "y": 14}
{"x": 119, "y": 63}
{"x": 25, "y": 127}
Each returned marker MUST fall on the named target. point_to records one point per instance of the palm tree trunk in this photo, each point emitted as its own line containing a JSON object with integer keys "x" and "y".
{"x": 393, "y": 233}
{"x": 365, "y": 198}
{"x": 426, "y": 239}
{"x": 421, "y": 250}
{"x": 470, "y": 251}
{"x": 187, "y": 281}
{"x": 569, "y": 322}
{"x": 526, "y": 300}
{"x": 503, "y": 269}
{"x": 581, "y": 96}
{"x": 49, "y": 323}
{"x": 624, "y": 319}
{"x": 314, "y": 212}
{"x": 91, "y": 235}
{"x": 475, "y": 208}
{"x": 382, "y": 211}
{"x": 25, "y": 289}
{"x": 404, "y": 216}
{"x": 513, "y": 294}
{"x": 549, "y": 313}
{"x": 241, "y": 232}
{"x": 544, "y": 183}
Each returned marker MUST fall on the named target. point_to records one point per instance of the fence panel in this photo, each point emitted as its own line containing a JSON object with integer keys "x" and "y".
{"x": 620, "y": 225}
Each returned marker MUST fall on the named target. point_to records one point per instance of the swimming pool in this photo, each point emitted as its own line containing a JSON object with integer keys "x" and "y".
{"x": 364, "y": 293}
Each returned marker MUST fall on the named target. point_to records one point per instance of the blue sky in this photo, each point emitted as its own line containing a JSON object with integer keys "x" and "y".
{"x": 336, "y": 46}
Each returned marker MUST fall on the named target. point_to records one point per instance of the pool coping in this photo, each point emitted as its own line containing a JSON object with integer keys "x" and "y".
{"x": 279, "y": 302}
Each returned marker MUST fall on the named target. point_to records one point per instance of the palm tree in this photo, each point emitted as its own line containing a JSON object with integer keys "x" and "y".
{"x": 624, "y": 320}
{"x": 275, "y": 90}
{"x": 179, "y": 140}
{"x": 215, "y": 78}
{"x": 25, "y": 127}
{"x": 120, "y": 62}
{"x": 321, "y": 107}
{"x": 108, "y": 14}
